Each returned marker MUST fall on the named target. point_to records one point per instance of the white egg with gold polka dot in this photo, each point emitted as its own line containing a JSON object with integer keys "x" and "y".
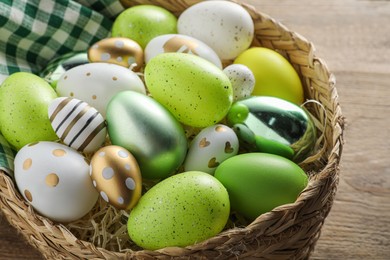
{"x": 54, "y": 179}
{"x": 116, "y": 175}
{"x": 96, "y": 83}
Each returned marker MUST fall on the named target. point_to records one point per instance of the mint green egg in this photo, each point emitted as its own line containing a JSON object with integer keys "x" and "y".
{"x": 259, "y": 182}
{"x": 180, "y": 211}
{"x": 193, "y": 89}
{"x": 24, "y": 101}
{"x": 142, "y": 23}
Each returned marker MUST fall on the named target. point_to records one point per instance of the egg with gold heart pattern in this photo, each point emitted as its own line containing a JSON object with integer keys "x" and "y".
{"x": 211, "y": 147}
{"x": 116, "y": 175}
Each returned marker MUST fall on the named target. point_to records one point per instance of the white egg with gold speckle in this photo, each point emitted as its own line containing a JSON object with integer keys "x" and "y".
{"x": 96, "y": 83}
{"x": 210, "y": 148}
{"x": 242, "y": 79}
{"x": 54, "y": 179}
{"x": 116, "y": 175}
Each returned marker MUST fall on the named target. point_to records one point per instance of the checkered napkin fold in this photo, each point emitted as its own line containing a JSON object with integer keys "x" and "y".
{"x": 33, "y": 32}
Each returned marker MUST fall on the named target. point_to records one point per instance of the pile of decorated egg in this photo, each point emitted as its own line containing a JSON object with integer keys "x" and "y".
{"x": 243, "y": 122}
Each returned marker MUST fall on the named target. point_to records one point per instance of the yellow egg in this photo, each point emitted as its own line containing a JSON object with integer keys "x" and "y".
{"x": 274, "y": 75}
{"x": 117, "y": 50}
{"x": 116, "y": 175}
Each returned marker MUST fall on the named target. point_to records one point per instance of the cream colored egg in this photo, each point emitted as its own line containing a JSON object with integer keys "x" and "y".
{"x": 117, "y": 50}
{"x": 54, "y": 179}
{"x": 116, "y": 175}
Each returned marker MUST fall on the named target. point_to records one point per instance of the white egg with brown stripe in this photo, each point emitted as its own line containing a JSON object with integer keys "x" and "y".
{"x": 211, "y": 147}
{"x": 77, "y": 124}
{"x": 54, "y": 179}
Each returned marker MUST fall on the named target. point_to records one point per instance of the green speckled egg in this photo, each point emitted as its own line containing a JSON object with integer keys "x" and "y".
{"x": 196, "y": 92}
{"x": 259, "y": 182}
{"x": 144, "y": 22}
{"x": 24, "y": 101}
{"x": 182, "y": 210}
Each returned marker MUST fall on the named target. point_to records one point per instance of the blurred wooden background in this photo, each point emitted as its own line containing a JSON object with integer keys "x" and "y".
{"x": 353, "y": 37}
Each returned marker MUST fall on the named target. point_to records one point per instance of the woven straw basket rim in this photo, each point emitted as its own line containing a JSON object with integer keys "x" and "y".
{"x": 289, "y": 231}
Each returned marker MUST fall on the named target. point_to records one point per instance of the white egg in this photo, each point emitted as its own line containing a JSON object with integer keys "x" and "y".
{"x": 96, "y": 83}
{"x": 55, "y": 180}
{"x": 224, "y": 26}
{"x": 77, "y": 124}
{"x": 242, "y": 79}
{"x": 180, "y": 43}
{"x": 210, "y": 148}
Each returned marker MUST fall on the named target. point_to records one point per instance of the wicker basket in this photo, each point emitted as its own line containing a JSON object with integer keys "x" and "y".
{"x": 287, "y": 232}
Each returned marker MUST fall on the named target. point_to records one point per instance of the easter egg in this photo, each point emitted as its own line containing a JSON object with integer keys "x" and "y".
{"x": 194, "y": 90}
{"x": 121, "y": 51}
{"x": 179, "y": 211}
{"x": 116, "y": 175}
{"x": 24, "y": 99}
{"x": 150, "y": 132}
{"x": 223, "y": 25}
{"x": 242, "y": 79}
{"x": 144, "y": 22}
{"x": 96, "y": 83}
{"x": 274, "y": 75}
{"x": 278, "y": 126}
{"x": 55, "y": 180}
{"x": 259, "y": 182}
{"x": 56, "y": 67}
{"x": 77, "y": 124}
{"x": 210, "y": 147}
{"x": 180, "y": 43}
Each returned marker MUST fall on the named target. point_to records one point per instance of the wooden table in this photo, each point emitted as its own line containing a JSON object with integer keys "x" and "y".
{"x": 353, "y": 37}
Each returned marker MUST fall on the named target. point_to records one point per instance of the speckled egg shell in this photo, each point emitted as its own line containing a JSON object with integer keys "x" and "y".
{"x": 117, "y": 50}
{"x": 180, "y": 43}
{"x": 77, "y": 124}
{"x": 97, "y": 83}
{"x": 180, "y": 211}
{"x": 211, "y": 147}
{"x": 242, "y": 79}
{"x": 223, "y": 25}
{"x": 116, "y": 175}
{"x": 54, "y": 179}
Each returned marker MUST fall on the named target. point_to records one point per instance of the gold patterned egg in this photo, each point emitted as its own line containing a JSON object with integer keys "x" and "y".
{"x": 116, "y": 175}
{"x": 117, "y": 50}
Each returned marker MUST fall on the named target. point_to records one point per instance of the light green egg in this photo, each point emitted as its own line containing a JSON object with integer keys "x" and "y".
{"x": 259, "y": 182}
{"x": 182, "y": 210}
{"x": 143, "y": 23}
{"x": 196, "y": 92}
{"x": 24, "y": 101}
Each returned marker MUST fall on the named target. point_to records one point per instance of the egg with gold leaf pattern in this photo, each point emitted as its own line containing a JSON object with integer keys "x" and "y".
{"x": 116, "y": 175}
{"x": 54, "y": 179}
{"x": 117, "y": 50}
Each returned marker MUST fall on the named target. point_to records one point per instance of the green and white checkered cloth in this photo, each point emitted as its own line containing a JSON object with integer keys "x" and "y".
{"x": 33, "y": 32}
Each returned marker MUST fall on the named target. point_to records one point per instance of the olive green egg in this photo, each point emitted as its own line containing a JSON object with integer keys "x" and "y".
{"x": 196, "y": 91}
{"x": 24, "y": 101}
{"x": 149, "y": 131}
{"x": 182, "y": 210}
{"x": 259, "y": 182}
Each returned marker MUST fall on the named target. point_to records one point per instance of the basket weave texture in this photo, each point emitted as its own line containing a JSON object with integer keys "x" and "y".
{"x": 287, "y": 232}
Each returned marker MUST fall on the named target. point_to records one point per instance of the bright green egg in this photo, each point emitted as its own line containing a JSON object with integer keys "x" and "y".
{"x": 143, "y": 23}
{"x": 196, "y": 92}
{"x": 259, "y": 182}
{"x": 179, "y": 211}
{"x": 24, "y": 101}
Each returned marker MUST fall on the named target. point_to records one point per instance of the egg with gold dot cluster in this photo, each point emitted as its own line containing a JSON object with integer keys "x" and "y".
{"x": 116, "y": 175}
{"x": 55, "y": 180}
